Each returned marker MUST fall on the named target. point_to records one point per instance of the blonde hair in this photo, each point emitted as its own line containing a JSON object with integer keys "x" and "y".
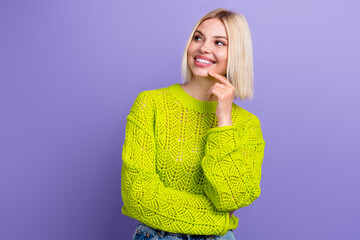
{"x": 240, "y": 55}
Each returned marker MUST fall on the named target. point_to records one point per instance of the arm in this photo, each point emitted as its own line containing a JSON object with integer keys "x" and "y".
{"x": 144, "y": 195}
{"x": 232, "y": 165}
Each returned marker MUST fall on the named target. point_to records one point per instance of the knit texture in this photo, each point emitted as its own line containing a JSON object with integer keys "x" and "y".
{"x": 182, "y": 173}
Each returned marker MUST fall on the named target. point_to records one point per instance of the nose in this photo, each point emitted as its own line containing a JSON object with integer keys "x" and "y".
{"x": 205, "y": 47}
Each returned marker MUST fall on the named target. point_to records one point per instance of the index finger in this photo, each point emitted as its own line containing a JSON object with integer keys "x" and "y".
{"x": 219, "y": 77}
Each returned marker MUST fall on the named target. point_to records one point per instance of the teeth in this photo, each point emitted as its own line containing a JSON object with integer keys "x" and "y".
{"x": 203, "y": 61}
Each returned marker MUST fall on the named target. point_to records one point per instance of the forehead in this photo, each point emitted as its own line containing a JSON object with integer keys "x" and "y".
{"x": 213, "y": 26}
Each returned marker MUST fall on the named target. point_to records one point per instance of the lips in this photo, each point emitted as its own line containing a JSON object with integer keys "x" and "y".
{"x": 203, "y": 60}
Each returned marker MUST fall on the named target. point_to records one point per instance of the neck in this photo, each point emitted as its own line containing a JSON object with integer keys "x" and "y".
{"x": 199, "y": 86}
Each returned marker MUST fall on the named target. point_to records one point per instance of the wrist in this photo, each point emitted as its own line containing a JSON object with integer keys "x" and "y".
{"x": 224, "y": 122}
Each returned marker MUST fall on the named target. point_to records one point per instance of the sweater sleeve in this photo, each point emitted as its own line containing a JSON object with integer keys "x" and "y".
{"x": 144, "y": 195}
{"x": 232, "y": 164}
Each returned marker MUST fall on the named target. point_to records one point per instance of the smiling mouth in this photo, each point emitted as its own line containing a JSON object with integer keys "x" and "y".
{"x": 199, "y": 60}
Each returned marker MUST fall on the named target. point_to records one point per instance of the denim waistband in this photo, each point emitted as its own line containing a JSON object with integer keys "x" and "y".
{"x": 159, "y": 232}
{"x": 162, "y": 233}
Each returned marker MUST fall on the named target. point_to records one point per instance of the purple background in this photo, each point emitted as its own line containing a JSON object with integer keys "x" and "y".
{"x": 70, "y": 71}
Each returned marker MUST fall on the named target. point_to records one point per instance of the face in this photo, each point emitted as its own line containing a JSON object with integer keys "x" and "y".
{"x": 208, "y": 50}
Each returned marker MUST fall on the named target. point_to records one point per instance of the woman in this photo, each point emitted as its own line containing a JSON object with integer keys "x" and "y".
{"x": 191, "y": 157}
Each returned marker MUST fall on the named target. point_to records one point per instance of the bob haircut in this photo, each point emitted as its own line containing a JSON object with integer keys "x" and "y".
{"x": 240, "y": 55}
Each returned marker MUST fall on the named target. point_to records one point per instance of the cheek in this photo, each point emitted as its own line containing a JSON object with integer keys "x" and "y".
{"x": 224, "y": 57}
{"x": 190, "y": 53}
{"x": 190, "y": 49}
{"x": 189, "y": 57}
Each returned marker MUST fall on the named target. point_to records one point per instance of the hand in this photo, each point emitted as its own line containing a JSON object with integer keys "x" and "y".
{"x": 225, "y": 92}
{"x": 231, "y": 213}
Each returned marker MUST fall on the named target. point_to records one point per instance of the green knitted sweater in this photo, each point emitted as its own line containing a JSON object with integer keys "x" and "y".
{"x": 182, "y": 173}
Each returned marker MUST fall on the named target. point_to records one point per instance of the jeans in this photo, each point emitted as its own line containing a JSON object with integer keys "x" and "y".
{"x": 143, "y": 232}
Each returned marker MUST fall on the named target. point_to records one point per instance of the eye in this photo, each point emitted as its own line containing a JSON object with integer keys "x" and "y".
{"x": 197, "y": 38}
{"x": 219, "y": 43}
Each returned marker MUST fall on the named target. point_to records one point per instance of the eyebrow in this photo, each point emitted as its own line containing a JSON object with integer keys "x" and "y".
{"x": 214, "y": 36}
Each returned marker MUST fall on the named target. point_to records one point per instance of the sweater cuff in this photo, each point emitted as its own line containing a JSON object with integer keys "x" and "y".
{"x": 226, "y": 227}
{"x": 219, "y": 129}
{"x": 233, "y": 222}
{"x": 230, "y": 223}
{"x": 221, "y": 141}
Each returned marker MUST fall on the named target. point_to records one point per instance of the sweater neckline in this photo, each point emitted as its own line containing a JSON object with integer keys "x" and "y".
{"x": 191, "y": 102}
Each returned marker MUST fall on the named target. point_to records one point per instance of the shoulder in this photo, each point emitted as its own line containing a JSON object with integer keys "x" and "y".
{"x": 242, "y": 117}
{"x": 143, "y": 109}
{"x": 149, "y": 100}
{"x": 154, "y": 94}
{"x": 248, "y": 124}
{"x": 154, "y": 97}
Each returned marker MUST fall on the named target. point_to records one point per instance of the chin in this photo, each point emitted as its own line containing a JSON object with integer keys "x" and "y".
{"x": 201, "y": 75}
{"x": 201, "y": 72}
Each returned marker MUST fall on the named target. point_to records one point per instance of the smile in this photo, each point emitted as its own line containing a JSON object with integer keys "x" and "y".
{"x": 203, "y": 61}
